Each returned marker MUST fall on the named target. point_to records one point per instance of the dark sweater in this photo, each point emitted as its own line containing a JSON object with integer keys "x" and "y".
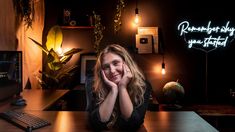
{"x": 133, "y": 123}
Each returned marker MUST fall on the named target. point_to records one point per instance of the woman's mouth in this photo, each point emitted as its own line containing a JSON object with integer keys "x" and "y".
{"x": 114, "y": 77}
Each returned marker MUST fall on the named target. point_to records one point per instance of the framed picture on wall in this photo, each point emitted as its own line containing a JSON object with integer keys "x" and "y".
{"x": 153, "y": 31}
{"x": 87, "y": 63}
{"x": 144, "y": 44}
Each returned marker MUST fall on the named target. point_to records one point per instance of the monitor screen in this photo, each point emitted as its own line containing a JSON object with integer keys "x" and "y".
{"x": 10, "y": 73}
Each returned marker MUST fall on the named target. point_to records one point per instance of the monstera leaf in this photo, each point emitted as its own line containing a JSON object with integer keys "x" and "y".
{"x": 54, "y": 38}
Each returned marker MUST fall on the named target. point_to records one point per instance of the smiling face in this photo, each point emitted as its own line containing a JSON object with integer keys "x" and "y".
{"x": 112, "y": 65}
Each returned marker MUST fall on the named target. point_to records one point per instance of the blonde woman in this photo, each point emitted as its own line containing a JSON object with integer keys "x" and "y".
{"x": 120, "y": 89}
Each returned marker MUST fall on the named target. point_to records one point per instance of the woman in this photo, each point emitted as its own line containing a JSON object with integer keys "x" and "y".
{"x": 121, "y": 92}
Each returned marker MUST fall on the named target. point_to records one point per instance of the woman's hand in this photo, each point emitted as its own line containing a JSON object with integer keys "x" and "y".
{"x": 127, "y": 76}
{"x": 109, "y": 83}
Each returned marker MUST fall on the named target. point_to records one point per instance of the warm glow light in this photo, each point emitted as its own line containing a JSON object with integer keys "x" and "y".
{"x": 66, "y": 49}
{"x": 137, "y": 20}
{"x": 133, "y": 25}
{"x": 165, "y": 116}
{"x": 60, "y": 51}
{"x": 163, "y": 69}
{"x": 157, "y": 69}
{"x": 62, "y": 120}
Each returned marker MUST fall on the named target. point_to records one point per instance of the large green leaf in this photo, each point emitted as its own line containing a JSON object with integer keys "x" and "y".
{"x": 70, "y": 71}
{"x": 40, "y": 46}
{"x": 51, "y": 77}
{"x": 54, "y": 38}
{"x": 72, "y": 51}
{"x": 53, "y": 61}
{"x": 68, "y": 55}
{"x": 52, "y": 56}
{"x": 65, "y": 59}
{"x": 55, "y": 66}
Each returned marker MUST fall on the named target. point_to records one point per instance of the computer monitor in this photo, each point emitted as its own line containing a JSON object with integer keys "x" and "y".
{"x": 10, "y": 74}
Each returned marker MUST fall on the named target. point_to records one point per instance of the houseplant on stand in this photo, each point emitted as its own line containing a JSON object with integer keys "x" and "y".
{"x": 55, "y": 76}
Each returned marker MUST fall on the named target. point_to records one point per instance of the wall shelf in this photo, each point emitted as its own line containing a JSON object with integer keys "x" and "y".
{"x": 77, "y": 27}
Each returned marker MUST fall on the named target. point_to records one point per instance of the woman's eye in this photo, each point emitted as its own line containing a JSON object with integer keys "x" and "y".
{"x": 115, "y": 63}
{"x": 105, "y": 67}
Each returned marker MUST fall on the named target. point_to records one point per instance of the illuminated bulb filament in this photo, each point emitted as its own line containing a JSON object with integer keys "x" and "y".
{"x": 163, "y": 69}
{"x": 137, "y": 17}
{"x": 60, "y": 51}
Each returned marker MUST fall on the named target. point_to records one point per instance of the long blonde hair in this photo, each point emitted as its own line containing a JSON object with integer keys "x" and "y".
{"x": 136, "y": 87}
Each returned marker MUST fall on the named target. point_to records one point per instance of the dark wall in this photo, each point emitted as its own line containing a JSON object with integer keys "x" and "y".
{"x": 188, "y": 66}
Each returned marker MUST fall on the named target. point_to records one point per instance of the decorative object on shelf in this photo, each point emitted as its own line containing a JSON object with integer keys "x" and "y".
{"x": 117, "y": 18}
{"x": 56, "y": 76}
{"x": 66, "y": 16}
{"x": 24, "y": 11}
{"x": 90, "y": 17}
{"x": 73, "y": 23}
{"x": 98, "y": 31}
{"x": 173, "y": 93}
{"x": 87, "y": 63}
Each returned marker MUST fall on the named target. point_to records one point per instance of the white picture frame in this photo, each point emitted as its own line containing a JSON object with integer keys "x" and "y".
{"x": 87, "y": 63}
{"x": 150, "y": 31}
{"x": 144, "y": 44}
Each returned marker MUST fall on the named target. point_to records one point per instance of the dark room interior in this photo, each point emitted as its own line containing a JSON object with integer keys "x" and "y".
{"x": 203, "y": 70}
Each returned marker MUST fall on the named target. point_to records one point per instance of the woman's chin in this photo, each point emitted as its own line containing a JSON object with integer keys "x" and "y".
{"x": 116, "y": 81}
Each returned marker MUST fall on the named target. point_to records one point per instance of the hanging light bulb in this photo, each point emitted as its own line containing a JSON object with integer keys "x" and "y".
{"x": 137, "y": 19}
{"x": 163, "y": 66}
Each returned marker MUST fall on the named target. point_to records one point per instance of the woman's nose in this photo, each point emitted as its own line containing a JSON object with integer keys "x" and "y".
{"x": 112, "y": 69}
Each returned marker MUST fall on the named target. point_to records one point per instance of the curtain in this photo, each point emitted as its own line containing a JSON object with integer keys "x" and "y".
{"x": 32, "y": 54}
{"x": 7, "y": 26}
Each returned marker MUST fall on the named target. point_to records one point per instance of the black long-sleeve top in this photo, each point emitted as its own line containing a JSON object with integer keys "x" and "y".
{"x": 133, "y": 123}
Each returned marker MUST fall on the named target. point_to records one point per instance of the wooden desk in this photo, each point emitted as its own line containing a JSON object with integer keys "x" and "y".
{"x": 39, "y": 99}
{"x": 177, "y": 121}
{"x": 74, "y": 121}
{"x": 213, "y": 110}
{"x": 221, "y": 116}
{"x": 36, "y": 99}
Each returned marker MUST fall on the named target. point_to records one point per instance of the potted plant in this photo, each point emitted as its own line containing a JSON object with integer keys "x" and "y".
{"x": 55, "y": 76}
